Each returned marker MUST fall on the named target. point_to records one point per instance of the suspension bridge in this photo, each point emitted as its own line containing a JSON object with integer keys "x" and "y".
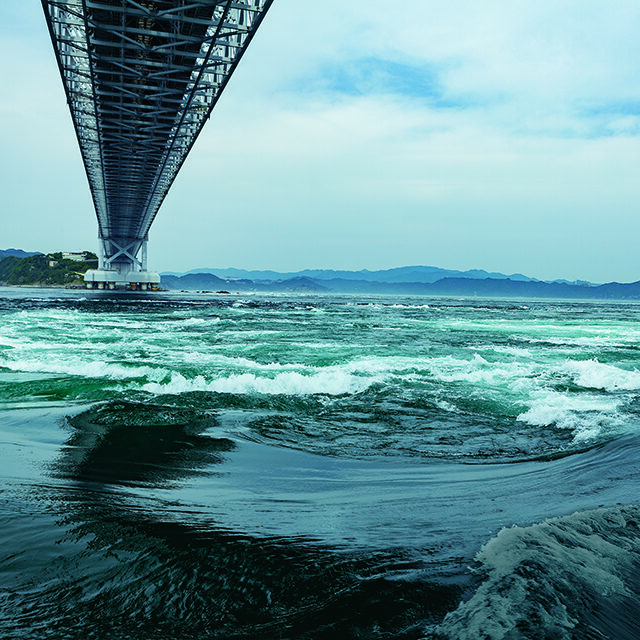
{"x": 141, "y": 79}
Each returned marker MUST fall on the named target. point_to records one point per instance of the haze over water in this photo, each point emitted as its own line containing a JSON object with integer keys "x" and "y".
{"x": 193, "y": 465}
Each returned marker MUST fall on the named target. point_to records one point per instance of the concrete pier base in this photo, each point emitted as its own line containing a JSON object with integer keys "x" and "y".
{"x": 129, "y": 280}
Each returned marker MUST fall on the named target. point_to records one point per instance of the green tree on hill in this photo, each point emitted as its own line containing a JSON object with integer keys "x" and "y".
{"x": 51, "y": 269}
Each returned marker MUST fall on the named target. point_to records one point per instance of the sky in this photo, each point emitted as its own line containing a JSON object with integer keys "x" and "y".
{"x": 371, "y": 134}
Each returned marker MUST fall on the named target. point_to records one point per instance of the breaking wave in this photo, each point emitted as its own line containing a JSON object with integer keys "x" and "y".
{"x": 587, "y": 416}
{"x": 566, "y": 578}
{"x": 84, "y": 368}
{"x": 329, "y": 382}
{"x": 592, "y": 374}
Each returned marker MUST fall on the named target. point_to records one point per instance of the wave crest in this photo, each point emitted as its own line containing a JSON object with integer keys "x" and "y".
{"x": 552, "y": 580}
{"x": 327, "y": 381}
{"x": 593, "y": 374}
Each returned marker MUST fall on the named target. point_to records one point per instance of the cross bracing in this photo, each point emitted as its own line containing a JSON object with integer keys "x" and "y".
{"x": 141, "y": 79}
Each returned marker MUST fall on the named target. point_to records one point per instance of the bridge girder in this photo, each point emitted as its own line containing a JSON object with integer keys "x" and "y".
{"x": 141, "y": 79}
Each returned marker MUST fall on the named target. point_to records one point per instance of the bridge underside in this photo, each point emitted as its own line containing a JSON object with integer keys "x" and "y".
{"x": 141, "y": 79}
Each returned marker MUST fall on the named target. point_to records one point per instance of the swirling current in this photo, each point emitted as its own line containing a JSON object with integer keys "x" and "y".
{"x": 306, "y": 467}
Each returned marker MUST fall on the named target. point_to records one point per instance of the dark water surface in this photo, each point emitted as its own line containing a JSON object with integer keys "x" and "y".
{"x": 202, "y": 466}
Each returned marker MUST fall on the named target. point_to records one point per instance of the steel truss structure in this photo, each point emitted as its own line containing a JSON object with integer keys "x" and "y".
{"x": 141, "y": 79}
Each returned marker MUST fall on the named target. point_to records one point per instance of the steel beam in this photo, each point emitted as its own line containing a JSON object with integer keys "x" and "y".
{"x": 141, "y": 78}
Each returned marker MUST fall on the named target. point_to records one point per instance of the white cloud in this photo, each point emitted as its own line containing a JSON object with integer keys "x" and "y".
{"x": 528, "y": 65}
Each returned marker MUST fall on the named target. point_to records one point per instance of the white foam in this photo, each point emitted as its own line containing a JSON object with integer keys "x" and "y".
{"x": 34, "y": 315}
{"x": 196, "y": 322}
{"x": 571, "y": 343}
{"x": 446, "y": 406}
{"x": 330, "y": 381}
{"x": 8, "y": 342}
{"x": 84, "y": 368}
{"x": 241, "y": 375}
{"x": 587, "y": 415}
{"x": 409, "y": 306}
{"x": 541, "y": 579}
{"x": 479, "y": 371}
{"x": 185, "y": 323}
{"x": 597, "y": 375}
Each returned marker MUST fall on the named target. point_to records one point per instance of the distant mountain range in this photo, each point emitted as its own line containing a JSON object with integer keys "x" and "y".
{"x": 416, "y": 280}
{"x": 17, "y": 253}
{"x": 399, "y": 274}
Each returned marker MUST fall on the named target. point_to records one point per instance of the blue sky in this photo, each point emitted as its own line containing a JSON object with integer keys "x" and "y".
{"x": 494, "y": 135}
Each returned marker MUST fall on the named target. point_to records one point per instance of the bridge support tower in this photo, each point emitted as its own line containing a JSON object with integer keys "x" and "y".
{"x": 141, "y": 79}
{"x": 122, "y": 265}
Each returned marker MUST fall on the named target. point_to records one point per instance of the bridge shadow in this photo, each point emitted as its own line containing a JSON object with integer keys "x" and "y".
{"x": 147, "y": 568}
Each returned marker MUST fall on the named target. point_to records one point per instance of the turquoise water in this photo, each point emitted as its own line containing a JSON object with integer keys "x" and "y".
{"x": 198, "y": 465}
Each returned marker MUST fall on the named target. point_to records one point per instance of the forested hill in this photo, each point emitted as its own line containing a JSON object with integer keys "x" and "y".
{"x": 52, "y": 269}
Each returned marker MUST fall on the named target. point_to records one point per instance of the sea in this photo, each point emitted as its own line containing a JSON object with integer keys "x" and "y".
{"x": 200, "y": 465}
